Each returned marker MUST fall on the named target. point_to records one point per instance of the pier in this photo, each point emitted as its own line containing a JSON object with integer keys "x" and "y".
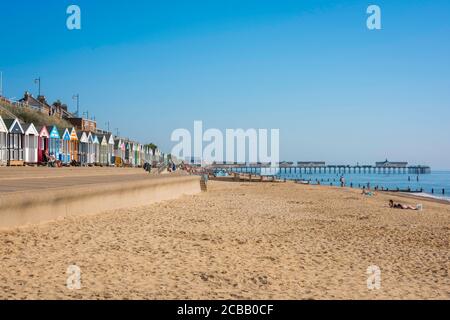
{"x": 385, "y": 167}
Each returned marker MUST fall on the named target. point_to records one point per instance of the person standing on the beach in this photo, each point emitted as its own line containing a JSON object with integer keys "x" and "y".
{"x": 342, "y": 180}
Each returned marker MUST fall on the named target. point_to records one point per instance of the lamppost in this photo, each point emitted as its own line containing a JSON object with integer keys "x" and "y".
{"x": 38, "y": 82}
{"x": 77, "y": 97}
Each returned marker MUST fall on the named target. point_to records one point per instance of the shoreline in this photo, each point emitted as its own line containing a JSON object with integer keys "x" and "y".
{"x": 425, "y": 197}
{"x": 418, "y": 196}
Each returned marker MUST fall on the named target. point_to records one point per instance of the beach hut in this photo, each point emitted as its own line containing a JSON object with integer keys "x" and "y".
{"x": 54, "y": 142}
{"x": 119, "y": 152}
{"x": 83, "y": 148}
{"x": 15, "y": 142}
{"x": 96, "y": 149}
{"x": 3, "y": 143}
{"x": 31, "y": 144}
{"x": 139, "y": 155}
{"x": 136, "y": 162}
{"x": 103, "y": 150}
{"x": 129, "y": 153}
{"x": 150, "y": 155}
{"x": 74, "y": 146}
{"x": 142, "y": 154}
{"x": 126, "y": 158}
{"x": 91, "y": 149}
{"x": 64, "y": 156}
{"x": 110, "y": 139}
{"x": 43, "y": 146}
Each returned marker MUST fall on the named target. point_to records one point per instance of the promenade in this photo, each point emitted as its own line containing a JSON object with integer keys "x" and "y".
{"x": 35, "y": 195}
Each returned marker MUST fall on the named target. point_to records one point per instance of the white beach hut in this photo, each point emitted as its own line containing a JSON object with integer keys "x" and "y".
{"x": 15, "y": 142}
{"x": 110, "y": 150}
{"x": 31, "y": 144}
{"x": 96, "y": 149}
{"x": 103, "y": 150}
{"x": 3, "y": 143}
{"x": 83, "y": 148}
{"x": 91, "y": 149}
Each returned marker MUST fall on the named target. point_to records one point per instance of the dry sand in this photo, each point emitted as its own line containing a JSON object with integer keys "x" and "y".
{"x": 237, "y": 241}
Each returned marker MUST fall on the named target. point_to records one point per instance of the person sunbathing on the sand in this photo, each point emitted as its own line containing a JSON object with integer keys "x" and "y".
{"x": 401, "y": 206}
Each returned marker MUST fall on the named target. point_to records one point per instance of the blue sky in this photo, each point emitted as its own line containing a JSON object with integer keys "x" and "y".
{"x": 337, "y": 91}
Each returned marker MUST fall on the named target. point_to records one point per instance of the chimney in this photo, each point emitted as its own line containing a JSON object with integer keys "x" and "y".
{"x": 26, "y": 96}
{"x": 57, "y": 103}
{"x": 41, "y": 99}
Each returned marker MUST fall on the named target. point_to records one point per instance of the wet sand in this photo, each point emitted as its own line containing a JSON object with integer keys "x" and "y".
{"x": 237, "y": 241}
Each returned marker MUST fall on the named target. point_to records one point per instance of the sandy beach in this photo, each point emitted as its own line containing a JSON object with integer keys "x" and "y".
{"x": 237, "y": 241}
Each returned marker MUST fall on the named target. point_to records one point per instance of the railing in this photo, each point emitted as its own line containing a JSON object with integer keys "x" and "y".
{"x": 16, "y": 104}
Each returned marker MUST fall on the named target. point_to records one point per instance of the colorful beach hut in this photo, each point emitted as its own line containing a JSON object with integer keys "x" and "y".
{"x": 119, "y": 152}
{"x": 74, "y": 146}
{"x": 83, "y": 148}
{"x": 15, "y": 142}
{"x": 3, "y": 143}
{"x": 31, "y": 144}
{"x": 64, "y": 156}
{"x": 54, "y": 142}
{"x": 43, "y": 146}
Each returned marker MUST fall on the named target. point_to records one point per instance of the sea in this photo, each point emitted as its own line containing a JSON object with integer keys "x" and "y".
{"x": 435, "y": 185}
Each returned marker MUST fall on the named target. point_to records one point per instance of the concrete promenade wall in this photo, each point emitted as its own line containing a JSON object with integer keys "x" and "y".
{"x": 34, "y": 207}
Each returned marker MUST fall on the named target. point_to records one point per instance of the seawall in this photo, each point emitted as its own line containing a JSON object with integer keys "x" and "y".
{"x": 29, "y": 207}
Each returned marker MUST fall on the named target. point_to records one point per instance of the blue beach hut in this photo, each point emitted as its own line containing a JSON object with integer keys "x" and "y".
{"x": 54, "y": 142}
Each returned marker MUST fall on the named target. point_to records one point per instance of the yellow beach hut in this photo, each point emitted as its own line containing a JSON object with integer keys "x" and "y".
{"x": 74, "y": 146}
{"x": 119, "y": 152}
